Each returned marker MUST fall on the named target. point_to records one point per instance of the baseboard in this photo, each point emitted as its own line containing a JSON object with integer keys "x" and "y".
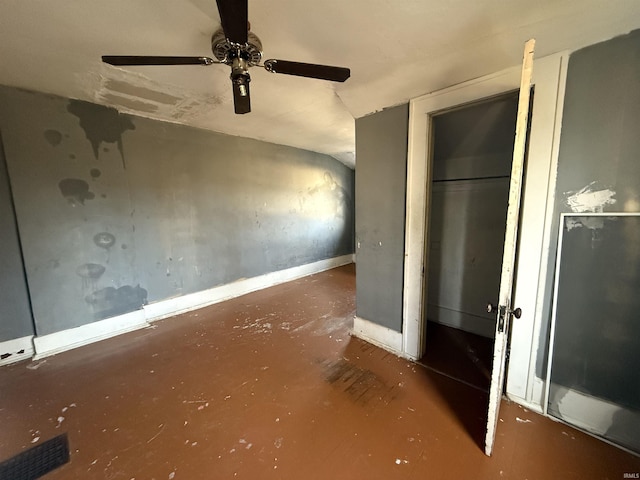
{"x": 16, "y": 350}
{"x": 64, "y": 340}
{"x": 383, "y": 337}
{"x": 186, "y": 303}
{"x": 485, "y": 327}
{"x": 524, "y": 403}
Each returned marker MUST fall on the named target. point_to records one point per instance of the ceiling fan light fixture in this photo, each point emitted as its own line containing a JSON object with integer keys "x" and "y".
{"x": 236, "y": 46}
{"x": 225, "y": 51}
{"x": 240, "y": 79}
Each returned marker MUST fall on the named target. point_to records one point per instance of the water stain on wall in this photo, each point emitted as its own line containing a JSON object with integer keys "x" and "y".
{"x": 110, "y": 301}
{"x": 95, "y": 173}
{"x": 101, "y": 124}
{"x": 91, "y": 271}
{"x": 54, "y": 137}
{"x": 76, "y": 191}
{"x": 104, "y": 240}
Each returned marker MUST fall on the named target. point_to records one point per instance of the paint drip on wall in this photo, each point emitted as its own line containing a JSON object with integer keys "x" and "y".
{"x": 101, "y": 124}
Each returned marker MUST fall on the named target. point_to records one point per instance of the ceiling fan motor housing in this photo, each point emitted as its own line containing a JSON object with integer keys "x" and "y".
{"x": 225, "y": 51}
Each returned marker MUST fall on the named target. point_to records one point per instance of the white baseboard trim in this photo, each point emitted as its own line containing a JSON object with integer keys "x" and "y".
{"x": 58, "y": 342}
{"x": 381, "y": 336}
{"x": 186, "y": 303}
{"x": 526, "y": 404}
{"x": 485, "y": 327}
{"x": 64, "y": 340}
{"x": 16, "y": 350}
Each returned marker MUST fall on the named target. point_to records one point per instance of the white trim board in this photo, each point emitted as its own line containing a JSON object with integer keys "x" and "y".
{"x": 68, "y": 339}
{"x": 554, "y": 304}
{"x": 378, "y": 335}
{"x": 186, "y": 303}
{"x": 12, "y": 348}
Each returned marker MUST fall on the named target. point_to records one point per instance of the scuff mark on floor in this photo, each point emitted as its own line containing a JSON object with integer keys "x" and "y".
{"x": 161, "y": 426}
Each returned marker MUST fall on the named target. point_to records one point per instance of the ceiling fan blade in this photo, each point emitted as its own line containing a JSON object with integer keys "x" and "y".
{"x": 234, "y": 18}
{"x": 311, "y": 70}
{"x": 121, "y": 60}
{"x": 241, "y": 97}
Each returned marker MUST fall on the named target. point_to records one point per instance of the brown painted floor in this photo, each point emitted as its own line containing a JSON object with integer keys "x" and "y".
{"x": 271, "y": 385}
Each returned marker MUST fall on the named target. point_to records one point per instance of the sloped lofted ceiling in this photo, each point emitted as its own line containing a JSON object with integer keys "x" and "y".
{"x": 396, "y": 49}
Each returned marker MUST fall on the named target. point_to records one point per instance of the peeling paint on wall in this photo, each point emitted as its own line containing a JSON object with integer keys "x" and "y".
{"x": 593, "y": 223}
{"x": 590, "y": 199}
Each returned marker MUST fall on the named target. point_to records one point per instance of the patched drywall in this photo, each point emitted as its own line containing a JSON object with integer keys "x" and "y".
{"x": 381, "y": 147}
{"x": 117, "y": 211}
{"x": 598, "y": 167}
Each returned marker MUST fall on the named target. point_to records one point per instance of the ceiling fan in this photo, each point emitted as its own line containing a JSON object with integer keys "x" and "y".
{"x": 236, "y": 46}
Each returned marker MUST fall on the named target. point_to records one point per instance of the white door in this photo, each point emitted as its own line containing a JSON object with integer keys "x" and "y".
{"x": 422, "y": 111}
{"x": 505, "y": 309}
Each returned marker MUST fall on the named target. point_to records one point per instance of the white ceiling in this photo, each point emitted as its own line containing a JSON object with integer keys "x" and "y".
{"x": 396, "y": 49}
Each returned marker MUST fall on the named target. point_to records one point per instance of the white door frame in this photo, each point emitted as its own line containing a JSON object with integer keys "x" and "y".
{"x": 536, "y": 211}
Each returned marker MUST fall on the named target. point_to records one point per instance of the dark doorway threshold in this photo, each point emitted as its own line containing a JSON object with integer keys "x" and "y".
{"x": 460, "y": 355}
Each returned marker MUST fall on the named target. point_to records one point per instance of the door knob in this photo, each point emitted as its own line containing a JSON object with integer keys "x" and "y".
{"x": 491, "y": 308}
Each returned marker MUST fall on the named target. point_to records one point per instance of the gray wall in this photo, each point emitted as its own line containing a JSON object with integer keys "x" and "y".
{"x": 15, "y": 312}
{"x": 600, "y": 143}
{"x": 115, "y": 211}
{"x": 472, "y": 151}
{"x": 381, "y": 152}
